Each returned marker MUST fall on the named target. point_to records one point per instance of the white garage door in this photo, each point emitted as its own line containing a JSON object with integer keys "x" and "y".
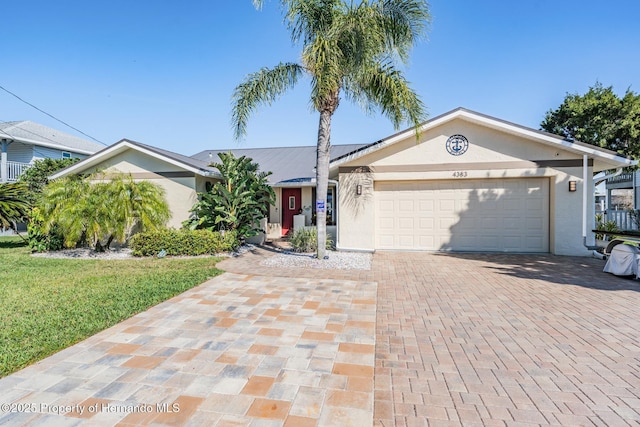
{"x": 497, "y": 215}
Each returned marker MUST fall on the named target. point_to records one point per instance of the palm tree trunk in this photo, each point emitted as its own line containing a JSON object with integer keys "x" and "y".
{"x": 322, "y": 180}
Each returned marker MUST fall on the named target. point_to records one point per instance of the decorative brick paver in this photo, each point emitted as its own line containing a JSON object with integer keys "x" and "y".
{"x": 420, "y": 340}
{"x": 505, "y": 340}
{"x": 236, "y": 350}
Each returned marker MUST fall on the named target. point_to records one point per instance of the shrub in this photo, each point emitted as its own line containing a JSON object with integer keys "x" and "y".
{"x": 37, "y": 176}
{"x": 183, "y": 242}
{"x": 39, "y": 239}
{"x": 306, "y": 240}
{"x": 602, "y": 225}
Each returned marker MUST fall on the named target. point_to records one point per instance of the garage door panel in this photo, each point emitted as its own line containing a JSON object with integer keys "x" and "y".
{"x": 406, "y": 241}
{"x": 464, "y": 215}
{"x": 386, "y": 206}
{"x": 425, "y": 205}
{"x": 405, "y": 224}
{"x": 510, "y": 223}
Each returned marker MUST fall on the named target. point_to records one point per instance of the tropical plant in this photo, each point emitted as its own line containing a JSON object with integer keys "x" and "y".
{"x": 348, "y": 48}
{"x": 14, "y": 206}
{"x": 306, "y": 240}
{"x": 37, "y": 175}
{"x": 100, "y": 209}
{"x": 238, "y": 202}
{"x": 608, "y": 226}
{"x": 41, "y": 238}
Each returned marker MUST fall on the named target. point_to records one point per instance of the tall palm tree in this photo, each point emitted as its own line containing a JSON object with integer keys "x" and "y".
{"x": 348, "y": 48}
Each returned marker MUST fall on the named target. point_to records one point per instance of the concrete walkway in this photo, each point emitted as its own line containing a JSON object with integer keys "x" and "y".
{"x": 486, "y": 340}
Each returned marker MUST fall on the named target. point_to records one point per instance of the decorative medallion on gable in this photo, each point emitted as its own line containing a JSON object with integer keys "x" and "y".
{"x": 457, "y": 145}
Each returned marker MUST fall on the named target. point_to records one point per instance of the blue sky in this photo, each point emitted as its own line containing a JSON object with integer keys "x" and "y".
{"x": 162, "y": 72}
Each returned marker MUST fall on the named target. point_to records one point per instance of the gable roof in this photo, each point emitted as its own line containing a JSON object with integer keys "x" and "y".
{"x": 287, "y": 164}
{"x": 608, "y": 159}
{"x": 31, "y": 133}
{"x": 188, "y": 163}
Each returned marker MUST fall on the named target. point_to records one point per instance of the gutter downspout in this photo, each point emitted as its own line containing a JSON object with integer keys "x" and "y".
{"x": 336, "y": 202}
{"x": 585, "y": 195}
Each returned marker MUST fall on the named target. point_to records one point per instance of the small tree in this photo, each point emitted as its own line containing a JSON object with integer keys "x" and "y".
{"x": 238, "y": 202}
{"x": 97, "y": 213}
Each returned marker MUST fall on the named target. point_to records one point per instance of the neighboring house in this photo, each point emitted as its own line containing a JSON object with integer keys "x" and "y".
{"x": 24, "y": 142}
{"x": 622, "y": 195}
{"x": 471, "y": 183}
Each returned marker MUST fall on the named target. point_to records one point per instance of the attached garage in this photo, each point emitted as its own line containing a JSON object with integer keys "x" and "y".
{"x": 470, "y": 183}
{"x": 491, "y": 215}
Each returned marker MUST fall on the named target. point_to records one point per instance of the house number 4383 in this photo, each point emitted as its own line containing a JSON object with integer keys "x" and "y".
{"x": 459, "y": 174}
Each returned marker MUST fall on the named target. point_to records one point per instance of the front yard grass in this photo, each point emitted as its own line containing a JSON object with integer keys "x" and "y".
{"x": 49, "y": 304}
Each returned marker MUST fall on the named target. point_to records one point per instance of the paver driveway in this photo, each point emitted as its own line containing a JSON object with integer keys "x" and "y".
{"x": 460, "y": 339}
{"x": 494, "y": 340}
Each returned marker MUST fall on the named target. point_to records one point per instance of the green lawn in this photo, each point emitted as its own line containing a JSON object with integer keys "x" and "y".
{"x": 49, "y": 304}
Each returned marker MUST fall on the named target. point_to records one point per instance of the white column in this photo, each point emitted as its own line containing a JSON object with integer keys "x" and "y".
{"x": 3, "y": 161}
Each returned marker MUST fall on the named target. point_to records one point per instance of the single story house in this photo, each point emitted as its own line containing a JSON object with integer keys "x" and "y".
{"x": 471, "y": 182}
{"x": 180, "y": 176}
{"x": 24, "y": 142}
{"x": 293, "y": 181}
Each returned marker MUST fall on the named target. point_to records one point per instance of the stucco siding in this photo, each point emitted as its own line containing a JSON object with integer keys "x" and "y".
{"x": 357, "y": 221}
{"x": 180, "y": 191}
{"x": 491, "y": 155}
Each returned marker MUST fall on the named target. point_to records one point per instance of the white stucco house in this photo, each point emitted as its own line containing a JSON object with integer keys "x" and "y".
{"x": 471, "y": 182}
{"x": 24, "y": 142}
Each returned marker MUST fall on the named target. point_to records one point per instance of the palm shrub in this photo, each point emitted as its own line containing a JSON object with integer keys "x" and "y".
{"x": 14, "y": 206}
{"x": 100, "y": 209}
{"x": 41, "y": 238}
{"x": 238, "y": 202}
{"x": 351, "y": 49}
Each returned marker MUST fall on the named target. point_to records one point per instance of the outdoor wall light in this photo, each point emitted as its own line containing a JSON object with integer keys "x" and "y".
{"x": 572, "y": 186}
{"x": 359, "y": 190}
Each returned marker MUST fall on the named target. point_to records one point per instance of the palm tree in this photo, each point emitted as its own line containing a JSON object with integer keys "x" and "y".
{"x": 107, "y": 209}
{"x": 14, "y": 206}
{"x": 347, "y": 49}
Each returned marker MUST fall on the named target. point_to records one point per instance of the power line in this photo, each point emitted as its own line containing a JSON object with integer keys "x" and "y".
{"x": 53, "y": 117}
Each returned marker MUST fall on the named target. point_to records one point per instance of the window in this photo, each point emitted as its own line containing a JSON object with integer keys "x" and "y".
{"x": 66, "y": 155}
{"x": 292, "y": 203}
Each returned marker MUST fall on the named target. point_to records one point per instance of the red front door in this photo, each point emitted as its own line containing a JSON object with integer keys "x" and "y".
{"x": 291, "y": 205}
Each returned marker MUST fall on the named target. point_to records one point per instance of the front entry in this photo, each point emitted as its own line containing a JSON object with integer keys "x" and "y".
{"x": 291, "y": 205}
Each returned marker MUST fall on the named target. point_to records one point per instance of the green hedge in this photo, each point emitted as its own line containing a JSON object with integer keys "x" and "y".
{"x": 183, "y": 242}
